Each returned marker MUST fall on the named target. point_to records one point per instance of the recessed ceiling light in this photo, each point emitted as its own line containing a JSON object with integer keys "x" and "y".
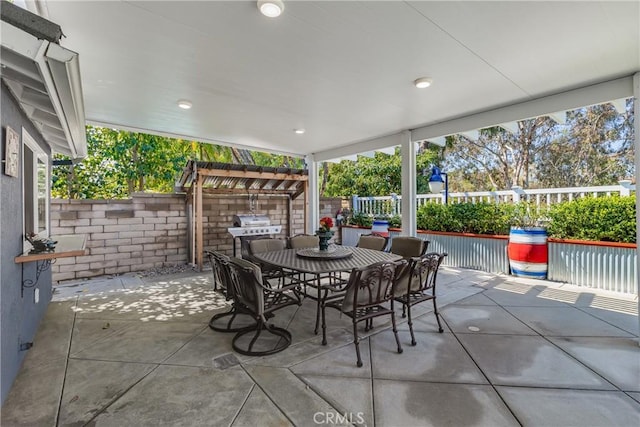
{"x": 299, "y": 131}
{"x": 271, "y": 8}
{"x": 423, "y": 82}
{"x": 184, "y": 104}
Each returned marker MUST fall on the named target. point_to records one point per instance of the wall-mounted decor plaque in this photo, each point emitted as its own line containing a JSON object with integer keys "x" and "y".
{"x": 11, "y": 152}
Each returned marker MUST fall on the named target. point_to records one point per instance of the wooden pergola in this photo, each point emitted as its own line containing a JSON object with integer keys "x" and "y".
{"x": 199, "y": 178}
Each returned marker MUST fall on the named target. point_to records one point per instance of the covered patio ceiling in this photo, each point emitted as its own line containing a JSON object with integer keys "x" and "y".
{"x": 343, "y": 70}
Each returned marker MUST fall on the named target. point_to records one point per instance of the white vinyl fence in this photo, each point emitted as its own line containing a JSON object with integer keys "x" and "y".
{"x": 390, "y": 205}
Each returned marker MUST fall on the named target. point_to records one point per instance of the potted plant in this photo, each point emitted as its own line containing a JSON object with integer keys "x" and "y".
{"x": 527, "y": 248}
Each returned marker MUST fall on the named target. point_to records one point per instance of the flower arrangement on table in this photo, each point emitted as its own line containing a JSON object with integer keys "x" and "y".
{"x": 325, "y": 224}
{"x": 324, "y": 232}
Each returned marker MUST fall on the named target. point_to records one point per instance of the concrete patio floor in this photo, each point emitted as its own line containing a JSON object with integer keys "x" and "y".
{"x": 128, "y": 351}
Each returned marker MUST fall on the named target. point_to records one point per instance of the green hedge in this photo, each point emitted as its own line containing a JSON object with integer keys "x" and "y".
{"x": 477, "y": 218}
{"x": 601, "y": 218}
{"x": 611, "y": 219}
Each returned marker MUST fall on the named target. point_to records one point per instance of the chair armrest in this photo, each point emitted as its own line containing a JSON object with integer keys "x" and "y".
{"x": 279, "y": 290}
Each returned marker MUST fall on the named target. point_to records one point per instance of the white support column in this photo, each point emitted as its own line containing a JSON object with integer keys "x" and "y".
{"x": 408, "y": 154}
{"x": 313, "y": 208}
{"x": 636, "y": 118}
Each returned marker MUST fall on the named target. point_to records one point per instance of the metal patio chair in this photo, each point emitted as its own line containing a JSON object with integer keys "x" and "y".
{"x": 221, "y": 280}
{"x": 372, "y": 241}
{"x": 303, "y": 241}
{"x": 260, "y": 301}
{"x": 408, "y": 247}
{"x": 418, "y": 284}
{"x": 269, "y": 271}
{"x": 368, "y": 294}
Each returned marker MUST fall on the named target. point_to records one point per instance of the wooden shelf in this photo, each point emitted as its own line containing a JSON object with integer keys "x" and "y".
{"x": 68, "y": 245}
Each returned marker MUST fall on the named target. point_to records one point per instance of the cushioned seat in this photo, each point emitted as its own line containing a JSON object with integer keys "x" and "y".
{"x": 260, "y": 301}
{"x": 408, "y": 247}
{"x": 269, "y": 271}
{"x": 237, "y": 319}
{"x": 302, "y": 241}
{"x": 370, "y": 241}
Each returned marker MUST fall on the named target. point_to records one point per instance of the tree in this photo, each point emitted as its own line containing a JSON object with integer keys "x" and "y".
{"x": 498, "y": 159}
{"x": 377, "y": 176}
{"x": 211, "y": 152}
{"x": 121, "y": 162}
{"x": 276, "y": 160}
{"x": 595, "y": 147}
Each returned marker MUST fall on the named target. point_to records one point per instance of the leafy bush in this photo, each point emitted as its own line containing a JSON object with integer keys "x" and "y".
{"x": 434, "y": 217}
{"x": 395, "y": 221}
{"x": 604, "y": 218}
{"x": 361, "y": 219}
{"x": 366, "y": 220}
{"x": 595, "y": 218}
{"x": 477, "y": 218}
{"x": 526, "y": 214}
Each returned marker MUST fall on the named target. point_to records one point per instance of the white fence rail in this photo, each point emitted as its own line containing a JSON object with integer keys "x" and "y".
{"x": 390, "y": 205}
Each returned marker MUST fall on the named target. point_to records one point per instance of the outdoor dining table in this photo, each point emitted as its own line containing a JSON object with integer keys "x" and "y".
{"x": 323, "y": 264}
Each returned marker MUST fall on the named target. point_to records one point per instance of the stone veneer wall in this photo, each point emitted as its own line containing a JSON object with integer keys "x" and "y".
{"x": 152, "y": 230}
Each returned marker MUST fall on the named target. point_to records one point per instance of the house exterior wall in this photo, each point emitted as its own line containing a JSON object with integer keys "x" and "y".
{"x": 19, "y": 314}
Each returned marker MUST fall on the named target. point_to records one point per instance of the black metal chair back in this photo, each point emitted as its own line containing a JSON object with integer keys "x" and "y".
{"x": 219, "y": 270}
{"x": 222, "y": 279}
{"x": 418, "y": 284}
{"x": 260, "y": 301}
{"x": 369, "y": 294}
{"x": 368, "y": 287}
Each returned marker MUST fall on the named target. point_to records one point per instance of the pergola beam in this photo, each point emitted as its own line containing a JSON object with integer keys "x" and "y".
{"x": 242, "y": 191}
{"x": 251, "y": 174}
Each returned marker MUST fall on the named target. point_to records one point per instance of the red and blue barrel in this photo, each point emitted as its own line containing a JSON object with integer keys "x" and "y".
{"x": 380, "y": 228}
{"x": 528, "y": 253}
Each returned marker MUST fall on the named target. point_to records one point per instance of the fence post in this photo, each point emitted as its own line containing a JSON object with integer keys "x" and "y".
{"x": 625, "y": 187}
{"x": 354, "y": 203}
{"x": 517, "y": 190}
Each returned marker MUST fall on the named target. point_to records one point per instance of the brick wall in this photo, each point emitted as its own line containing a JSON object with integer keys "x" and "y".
{"x": 152, "y": 230}
{"x": 219, "y": 211}
{"x": 330, "y": 206}
{"x": 137, "y": 234}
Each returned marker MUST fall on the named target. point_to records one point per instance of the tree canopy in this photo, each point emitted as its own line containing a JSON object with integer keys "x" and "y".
{"x": 121, "y": 162}
{"x": 376, "y": 176}
{"x": 594, "y": 147}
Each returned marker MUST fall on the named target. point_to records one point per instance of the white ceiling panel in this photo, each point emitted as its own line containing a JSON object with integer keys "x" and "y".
{"x": 341, "y": 70}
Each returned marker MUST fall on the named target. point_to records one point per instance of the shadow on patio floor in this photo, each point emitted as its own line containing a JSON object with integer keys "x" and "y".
{"x": 514, "y": 352}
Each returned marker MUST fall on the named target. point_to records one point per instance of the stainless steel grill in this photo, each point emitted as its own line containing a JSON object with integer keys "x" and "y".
{"x": 252, "y": 225}
{"x": 247, "y": 227}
